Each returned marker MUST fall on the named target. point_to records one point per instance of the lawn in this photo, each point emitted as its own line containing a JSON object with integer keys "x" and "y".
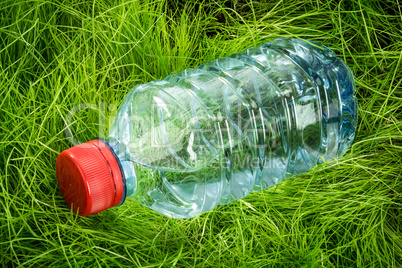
{"x": 84, "y": 56}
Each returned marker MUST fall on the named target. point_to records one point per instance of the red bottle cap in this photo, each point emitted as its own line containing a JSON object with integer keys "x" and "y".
{"x": 89, "y": 177}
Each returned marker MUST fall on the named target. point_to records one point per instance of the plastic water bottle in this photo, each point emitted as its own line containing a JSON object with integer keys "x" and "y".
{"x": 210, "y": 135}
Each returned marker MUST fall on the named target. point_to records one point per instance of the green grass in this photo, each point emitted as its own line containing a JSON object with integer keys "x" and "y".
{"x": 55, "y": 55}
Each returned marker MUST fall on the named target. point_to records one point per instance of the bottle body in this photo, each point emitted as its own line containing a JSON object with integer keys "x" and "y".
{"x": 211, "y": 135}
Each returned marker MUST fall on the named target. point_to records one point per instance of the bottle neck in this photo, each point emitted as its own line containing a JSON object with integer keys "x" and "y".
{"x": 126, "y": 166}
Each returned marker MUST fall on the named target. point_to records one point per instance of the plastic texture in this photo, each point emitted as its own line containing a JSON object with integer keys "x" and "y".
{"x": 210, "y": 135}
{"x": 89, "y": 177}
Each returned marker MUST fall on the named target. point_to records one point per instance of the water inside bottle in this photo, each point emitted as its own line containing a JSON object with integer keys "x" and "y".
{"x": 213, "y": 134}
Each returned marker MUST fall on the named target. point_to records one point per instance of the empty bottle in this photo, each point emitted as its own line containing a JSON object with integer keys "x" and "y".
{"x": 210, "y": 135}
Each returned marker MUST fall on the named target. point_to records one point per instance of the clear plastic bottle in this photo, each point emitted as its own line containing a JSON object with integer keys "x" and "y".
{"x": 211, "y": 135}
